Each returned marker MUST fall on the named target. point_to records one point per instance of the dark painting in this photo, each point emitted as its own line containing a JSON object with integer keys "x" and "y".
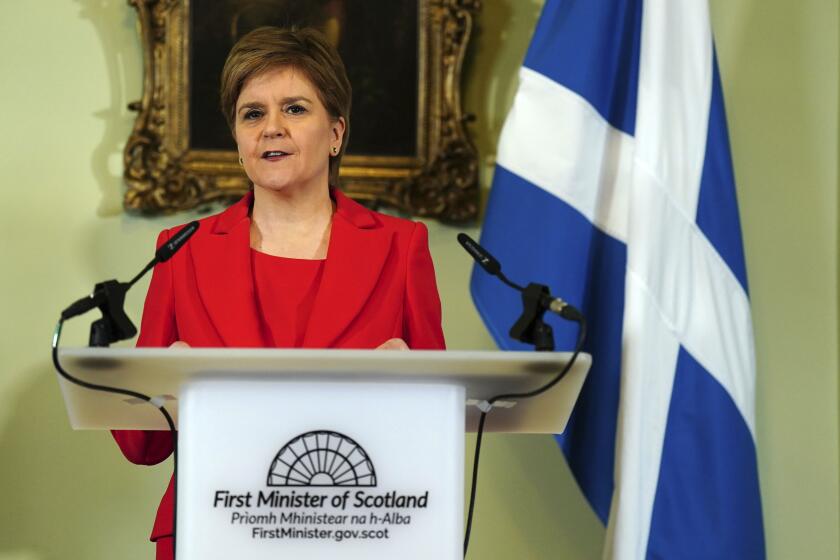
{"x": 377, "y": 40}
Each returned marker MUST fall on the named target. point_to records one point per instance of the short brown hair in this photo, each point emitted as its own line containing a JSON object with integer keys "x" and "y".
{"x": 306, "y": 50}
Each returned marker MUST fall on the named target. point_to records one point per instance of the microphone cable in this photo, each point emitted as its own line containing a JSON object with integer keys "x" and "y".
{"x": 129, "y": 393}
{"x": 487, "y": 406}
{"x": 555, "y": 305}
{"x": 109, "y": 297}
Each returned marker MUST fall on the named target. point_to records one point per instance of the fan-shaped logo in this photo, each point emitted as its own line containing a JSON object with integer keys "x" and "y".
{"x": 322, "y": 458}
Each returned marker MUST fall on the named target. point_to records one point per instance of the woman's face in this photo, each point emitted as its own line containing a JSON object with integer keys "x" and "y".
{"x": 284, "y": 134}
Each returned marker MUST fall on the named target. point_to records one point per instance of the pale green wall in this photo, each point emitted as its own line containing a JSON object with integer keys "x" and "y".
{"x": 779, "y": 66}
{"x": 69, "y": 68}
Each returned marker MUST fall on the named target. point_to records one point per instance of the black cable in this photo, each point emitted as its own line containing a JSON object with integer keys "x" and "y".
{"x": 474, "y": 483}
{"x": 129, "y": 393}
{"x": 513, "y": 396}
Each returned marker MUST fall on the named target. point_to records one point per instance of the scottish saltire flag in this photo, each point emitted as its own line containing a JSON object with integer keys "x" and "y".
{"x": 614, "y": 186}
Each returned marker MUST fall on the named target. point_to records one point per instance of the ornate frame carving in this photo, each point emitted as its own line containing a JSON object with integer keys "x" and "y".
{"x": 164, "y": 175}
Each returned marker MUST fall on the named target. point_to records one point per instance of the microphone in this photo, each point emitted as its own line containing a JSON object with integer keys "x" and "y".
{"x": 480, "y": 254}
{"x": 483, "y": 257}
{"x": 543, "y": 297}
{"x": 109, "y": 296}
{"x": 176, "y": 242}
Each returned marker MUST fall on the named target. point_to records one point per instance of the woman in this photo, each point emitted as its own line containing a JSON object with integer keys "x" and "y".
{"x": 295, "y": 263}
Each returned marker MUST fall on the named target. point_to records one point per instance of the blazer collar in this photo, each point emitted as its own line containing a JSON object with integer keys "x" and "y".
{"x": 235, "y": 213}
{"x": 358, "y": 249}
{"x": 222, "y": 264}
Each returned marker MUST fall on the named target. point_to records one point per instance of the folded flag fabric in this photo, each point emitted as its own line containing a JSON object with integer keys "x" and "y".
{"x": 614, "y": 186}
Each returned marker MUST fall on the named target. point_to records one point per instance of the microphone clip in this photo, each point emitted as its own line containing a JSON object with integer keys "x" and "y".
{"x": 530, "y": 328}
{"x": 109, "y": 297}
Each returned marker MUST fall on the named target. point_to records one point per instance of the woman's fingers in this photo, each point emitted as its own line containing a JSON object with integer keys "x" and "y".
{"x": 393, "y": 344}
{"x": 390, "y": 344}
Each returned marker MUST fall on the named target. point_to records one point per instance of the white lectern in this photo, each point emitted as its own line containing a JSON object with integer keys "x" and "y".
{"x": 349, "y": 454}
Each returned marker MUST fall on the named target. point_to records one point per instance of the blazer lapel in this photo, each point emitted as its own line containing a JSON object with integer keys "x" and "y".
{"x": 357, "y": 252}
{"x": 222, "y": 262}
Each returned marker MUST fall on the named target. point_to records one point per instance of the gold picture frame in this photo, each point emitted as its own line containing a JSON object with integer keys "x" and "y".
{"x": 164, "y": 173}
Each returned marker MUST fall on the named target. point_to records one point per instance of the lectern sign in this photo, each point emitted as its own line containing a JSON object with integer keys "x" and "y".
{"x": 321, "y": 474}
{"x": 320, "y": 471}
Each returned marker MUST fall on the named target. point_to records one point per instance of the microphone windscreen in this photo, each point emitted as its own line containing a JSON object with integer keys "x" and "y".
{"x": 480, "y": 254}
{"x": 165, "y": 252}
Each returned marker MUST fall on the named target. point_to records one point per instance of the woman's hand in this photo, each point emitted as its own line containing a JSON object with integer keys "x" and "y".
{"x": 393, "y": 344}
{"x": 179, "y": 344}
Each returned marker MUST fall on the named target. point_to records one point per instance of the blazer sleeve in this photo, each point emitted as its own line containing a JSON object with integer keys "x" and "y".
{"x": 422, "y": 316}
{"x": 157, "y": 329}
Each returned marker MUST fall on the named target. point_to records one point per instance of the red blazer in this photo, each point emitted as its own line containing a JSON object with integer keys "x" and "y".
{"x": 378, "y": 283}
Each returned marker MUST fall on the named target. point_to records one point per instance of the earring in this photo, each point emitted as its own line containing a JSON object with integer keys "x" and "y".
{"x": 241, "y": 162}
{"x": 335, "y": 151}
